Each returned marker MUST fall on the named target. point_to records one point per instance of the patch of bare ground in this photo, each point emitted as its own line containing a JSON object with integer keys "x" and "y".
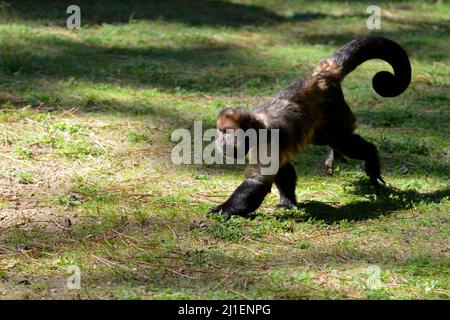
{"x": 27, "y": 204}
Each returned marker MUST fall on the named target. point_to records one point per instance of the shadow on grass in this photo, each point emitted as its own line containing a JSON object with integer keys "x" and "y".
{"x": 190, "y": 12}
{"x": 196, "y": 67}
{"x": 386, "y": 200}
{"x": 218, "y": 13}
{"x": 200, "y": 66}
{"x": 179, "y": 68}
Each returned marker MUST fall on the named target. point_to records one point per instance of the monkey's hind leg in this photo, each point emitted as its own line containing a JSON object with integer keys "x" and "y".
{"x": 286, "y": 181}
{"x": 355, "y": 147}
{"x": 333, "y": 156}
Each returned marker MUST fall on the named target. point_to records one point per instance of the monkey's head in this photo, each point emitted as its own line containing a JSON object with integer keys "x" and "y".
{"x": 237, "y": 132}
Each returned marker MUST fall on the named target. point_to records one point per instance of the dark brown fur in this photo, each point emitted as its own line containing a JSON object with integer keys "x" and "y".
{"x": 312, "y": 110}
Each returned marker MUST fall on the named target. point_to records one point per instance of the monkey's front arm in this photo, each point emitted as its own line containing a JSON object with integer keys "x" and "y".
{"x": 246, "y": 198}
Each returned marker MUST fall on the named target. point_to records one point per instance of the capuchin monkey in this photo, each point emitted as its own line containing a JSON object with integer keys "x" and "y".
{"x": 312, "y": 110}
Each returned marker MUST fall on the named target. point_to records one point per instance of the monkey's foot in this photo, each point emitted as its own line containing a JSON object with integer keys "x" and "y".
{"x": 286, "y": 204}
{"x": 328, "y": 169}
{"x": 375, "y": 181}
{"x": 331, "y": 160}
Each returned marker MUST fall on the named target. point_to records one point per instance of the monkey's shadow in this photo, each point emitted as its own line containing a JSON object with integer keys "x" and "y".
{"x": 381, "y": 201}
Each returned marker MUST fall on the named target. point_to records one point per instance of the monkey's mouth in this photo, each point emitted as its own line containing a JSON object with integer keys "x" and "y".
{"x": 235, "y": 152}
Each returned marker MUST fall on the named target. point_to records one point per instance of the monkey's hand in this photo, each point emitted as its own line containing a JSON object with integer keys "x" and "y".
{"x": 245, "y": 199}
{"x": 220, "y": 209}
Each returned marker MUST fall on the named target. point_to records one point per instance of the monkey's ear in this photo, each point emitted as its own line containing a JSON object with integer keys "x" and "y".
{"x": 227, "y": 113}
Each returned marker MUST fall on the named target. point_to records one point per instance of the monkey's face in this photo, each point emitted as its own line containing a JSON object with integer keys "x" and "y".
{"x": 232, "y": 136}
{"x": 232, "y": 143}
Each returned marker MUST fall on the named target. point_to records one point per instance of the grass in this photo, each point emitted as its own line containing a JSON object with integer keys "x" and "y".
{"x": 85, "y": 172}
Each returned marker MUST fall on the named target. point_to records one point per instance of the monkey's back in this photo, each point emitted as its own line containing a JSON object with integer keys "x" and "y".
{"x": 309, "y": 110}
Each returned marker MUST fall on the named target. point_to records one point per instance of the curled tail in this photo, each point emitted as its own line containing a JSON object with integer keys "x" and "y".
{"x": 352, "y": 54}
